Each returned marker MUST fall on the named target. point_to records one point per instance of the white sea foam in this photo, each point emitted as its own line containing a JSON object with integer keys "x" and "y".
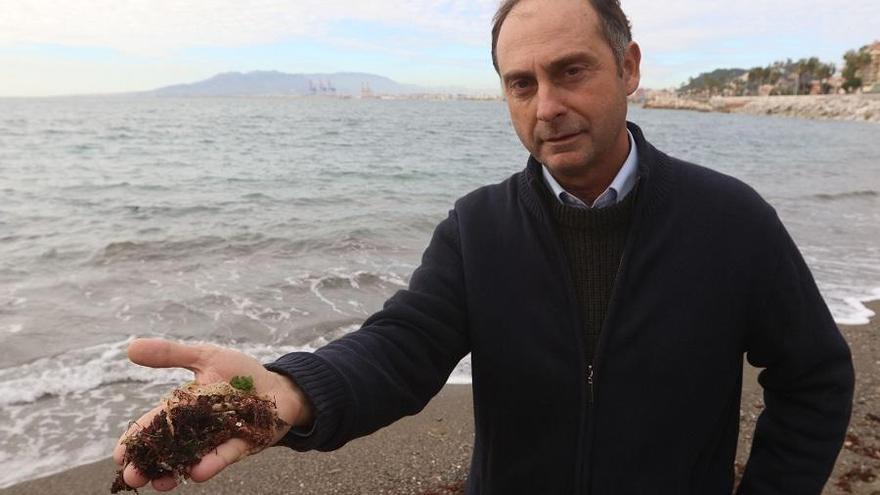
{"x": 36, "y": 460}
{"x": 314, "y": 287}
{"x": 462, "y": 372}
{"x": 853, "y": 310}
{"x": 82, "y": 370}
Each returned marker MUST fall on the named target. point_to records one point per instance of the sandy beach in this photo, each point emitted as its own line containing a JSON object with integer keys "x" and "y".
{"x": 429, "y": 453}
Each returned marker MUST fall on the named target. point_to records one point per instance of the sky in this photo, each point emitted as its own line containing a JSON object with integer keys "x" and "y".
{"x": 56, "y": 47}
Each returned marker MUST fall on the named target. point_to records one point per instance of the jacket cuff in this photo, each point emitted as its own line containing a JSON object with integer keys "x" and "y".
{"x": 327, "y": 393}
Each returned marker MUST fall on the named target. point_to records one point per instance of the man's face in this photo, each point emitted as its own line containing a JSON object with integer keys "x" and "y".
{"x": 564, "y": 89}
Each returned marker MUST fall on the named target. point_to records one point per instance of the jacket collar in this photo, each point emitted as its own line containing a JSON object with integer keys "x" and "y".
{"x": 652, "y": 177}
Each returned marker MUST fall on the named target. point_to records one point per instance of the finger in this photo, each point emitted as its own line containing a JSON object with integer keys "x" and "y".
{"x": 133, "y": 477}
{"x": 140, "y": 424}
{"x": 158, "y": 353}
{"x": 217, "y": 460}
{"x": 164, "y": 484}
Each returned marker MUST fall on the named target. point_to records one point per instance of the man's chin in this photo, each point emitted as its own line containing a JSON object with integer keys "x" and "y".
{"x": 565, "y": 163}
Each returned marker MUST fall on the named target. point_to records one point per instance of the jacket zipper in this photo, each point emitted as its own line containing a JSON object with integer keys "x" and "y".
{"x": 590, "y": 381}
{"x": 588, "y": 396}
{"x": 586, "y": 392}
{"x": 615, "y": 289}
{"x": 592, "y": 367}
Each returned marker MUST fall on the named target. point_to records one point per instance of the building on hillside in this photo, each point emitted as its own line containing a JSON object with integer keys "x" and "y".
{"x": 835, "y": 85}
{"x": 766, "y": 89}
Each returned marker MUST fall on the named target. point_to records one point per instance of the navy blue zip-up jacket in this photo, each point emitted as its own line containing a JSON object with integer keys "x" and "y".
{"x": 708, "y": 274}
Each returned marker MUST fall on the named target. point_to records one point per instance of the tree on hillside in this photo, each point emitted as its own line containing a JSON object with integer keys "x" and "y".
{"x": 809, "y": 70}
{"x": 855, "y": 63}
{"x": 712, "y": 83}
{"x": 759, "y": 76}
{"x": 787, "y": 84}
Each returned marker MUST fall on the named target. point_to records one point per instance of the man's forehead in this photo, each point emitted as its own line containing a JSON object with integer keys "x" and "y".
{"x": 563, "y": 11}
{"x": 539, "y": 29}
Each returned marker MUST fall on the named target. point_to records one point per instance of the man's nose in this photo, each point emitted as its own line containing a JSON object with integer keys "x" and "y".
{"x": 550, "y": 103}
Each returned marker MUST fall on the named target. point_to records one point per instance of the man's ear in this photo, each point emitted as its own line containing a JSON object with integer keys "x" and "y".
{"x": 632, "y": 61}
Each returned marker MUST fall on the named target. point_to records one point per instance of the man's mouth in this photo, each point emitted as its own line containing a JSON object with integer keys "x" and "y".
{"x": 561, "y": 138}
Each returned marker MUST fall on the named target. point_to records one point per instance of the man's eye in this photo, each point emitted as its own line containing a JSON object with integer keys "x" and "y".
{"x": 573, "y": 71}
{"x": 520, "y": 84}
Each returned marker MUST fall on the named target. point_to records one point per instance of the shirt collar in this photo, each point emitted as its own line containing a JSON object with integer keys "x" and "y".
{"x": 620, "y": 187}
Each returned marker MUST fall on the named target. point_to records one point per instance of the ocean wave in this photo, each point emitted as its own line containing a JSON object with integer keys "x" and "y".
{"x": 82, "y": 370}
{"x": 122, "y": 136}
{"x": 202, "y": 247}
{"x": 258, "y": 197}
{"x": 122, "y": 251}
{"x": 357, "y": 280}
{"x": 867, "y": 193}
{"x": 92, "y": 188}
{"x": 171, "y": 211}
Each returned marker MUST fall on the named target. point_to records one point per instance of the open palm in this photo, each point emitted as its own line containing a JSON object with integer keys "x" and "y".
{"x": 211, "y": 364}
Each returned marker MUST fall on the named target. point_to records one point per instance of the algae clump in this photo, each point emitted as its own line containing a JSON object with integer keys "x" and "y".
{"x": 195, "y": 420}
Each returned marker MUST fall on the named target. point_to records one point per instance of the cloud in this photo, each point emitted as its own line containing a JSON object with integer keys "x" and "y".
{"x": 159, "y": 27}
{"x": 156, "y": 27}
{"x": 821, "y": 22}
{"x": 679, "y": 38}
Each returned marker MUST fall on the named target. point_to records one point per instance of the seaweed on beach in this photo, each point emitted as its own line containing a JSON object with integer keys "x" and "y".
{"x": 194, "y": 421}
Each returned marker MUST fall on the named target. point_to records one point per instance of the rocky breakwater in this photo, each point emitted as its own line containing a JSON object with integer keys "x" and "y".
{"x": 670, "y": 102}
{"x": 832, "y": 107}
{"x": 865, "y": 108}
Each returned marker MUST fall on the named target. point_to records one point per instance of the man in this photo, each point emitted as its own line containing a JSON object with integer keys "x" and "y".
{"x": 607, "y": 294}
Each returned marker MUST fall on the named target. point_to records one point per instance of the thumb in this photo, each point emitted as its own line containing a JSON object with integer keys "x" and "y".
{"x": 159, "y": 353}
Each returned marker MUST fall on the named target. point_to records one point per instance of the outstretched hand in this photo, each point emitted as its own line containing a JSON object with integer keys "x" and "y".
{"x": 212, "y": 364}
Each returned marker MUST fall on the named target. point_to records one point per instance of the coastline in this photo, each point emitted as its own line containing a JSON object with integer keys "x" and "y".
{"x": 860, "y": 108}
{"x": 428, "y": 454}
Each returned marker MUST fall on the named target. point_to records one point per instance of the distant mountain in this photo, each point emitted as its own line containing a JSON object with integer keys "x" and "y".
{"x": 279, "y": 83}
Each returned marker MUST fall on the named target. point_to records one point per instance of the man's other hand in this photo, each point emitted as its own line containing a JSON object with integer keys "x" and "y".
{"x": 212, "y": 364}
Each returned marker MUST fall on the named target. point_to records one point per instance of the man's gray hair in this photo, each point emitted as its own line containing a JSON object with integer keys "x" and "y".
{"x": 616, "y": 27}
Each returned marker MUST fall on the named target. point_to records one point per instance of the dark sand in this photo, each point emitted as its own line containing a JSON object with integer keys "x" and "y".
{"x": 428, "y": 454}
{"x": 858, "y": 466}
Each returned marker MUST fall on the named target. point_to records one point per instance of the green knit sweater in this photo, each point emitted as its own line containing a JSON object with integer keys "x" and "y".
{"x": 593, "y": 240}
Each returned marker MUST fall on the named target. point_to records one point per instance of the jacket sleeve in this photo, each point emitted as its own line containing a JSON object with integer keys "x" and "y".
{"x": 807, "y": 380}
{"x": 398, "y": 359}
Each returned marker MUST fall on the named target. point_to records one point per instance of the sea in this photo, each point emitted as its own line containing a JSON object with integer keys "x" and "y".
{"x": 273, "y": 225}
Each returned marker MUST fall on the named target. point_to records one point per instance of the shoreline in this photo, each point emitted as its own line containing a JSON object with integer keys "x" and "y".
{"x": 857, "y": 108}
{"x": 429, "y": 454}
{"x": 425, "y": 454}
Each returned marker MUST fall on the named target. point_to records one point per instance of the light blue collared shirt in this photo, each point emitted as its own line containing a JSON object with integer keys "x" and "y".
{"x": 623, "y": 183}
